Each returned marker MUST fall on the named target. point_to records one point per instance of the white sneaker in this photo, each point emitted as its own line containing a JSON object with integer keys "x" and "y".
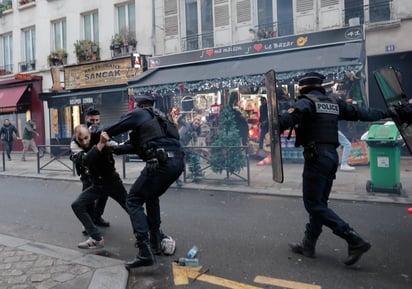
{"x": 168, "y": 245}
{"x": 346, "y": 167}
{"x": 91, "y": 244}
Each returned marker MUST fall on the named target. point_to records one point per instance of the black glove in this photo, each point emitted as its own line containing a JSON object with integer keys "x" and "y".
{"x": 152, "y": 165}
{"x": 401, "y": 113}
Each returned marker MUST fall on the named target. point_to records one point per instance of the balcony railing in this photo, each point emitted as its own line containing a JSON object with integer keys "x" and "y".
{"x": 197, "y": 41}
{"x": 24, "y": 2}
{"x": 6, "y": 69}
{"x": 25, "y": 66}
{"x": 363, "y": 14}
{"x": 272, "y": 30}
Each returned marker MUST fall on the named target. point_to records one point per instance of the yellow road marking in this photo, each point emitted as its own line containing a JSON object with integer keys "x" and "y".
{"x": 182, "y": 275}
{"x": 284, "y": 283}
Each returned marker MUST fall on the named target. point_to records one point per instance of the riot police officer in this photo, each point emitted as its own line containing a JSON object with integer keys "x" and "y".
{"x": 156, "y": 140}
{"x": 316, "y": 116}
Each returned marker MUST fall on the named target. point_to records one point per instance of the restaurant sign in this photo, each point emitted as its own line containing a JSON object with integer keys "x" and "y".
{"x": 263, "y": 46}
{"x": 104, "y": 73}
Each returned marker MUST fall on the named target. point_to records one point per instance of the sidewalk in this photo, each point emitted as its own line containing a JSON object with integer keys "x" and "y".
{"x": 29, "y": 264}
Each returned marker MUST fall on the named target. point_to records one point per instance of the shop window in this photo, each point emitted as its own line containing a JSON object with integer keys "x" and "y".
{"x": 63, "y": 121}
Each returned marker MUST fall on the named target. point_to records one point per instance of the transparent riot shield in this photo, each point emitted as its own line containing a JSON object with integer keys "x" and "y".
{"x": 393, "y": 95}
{"x": 274, "y": 130}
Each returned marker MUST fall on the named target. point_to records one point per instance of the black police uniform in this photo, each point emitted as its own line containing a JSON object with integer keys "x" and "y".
{"x": 163, "y": 155}
{"x": 104, "y": 181}
{"x": 316, "y": 117}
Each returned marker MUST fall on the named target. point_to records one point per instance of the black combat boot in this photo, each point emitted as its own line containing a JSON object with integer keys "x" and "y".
{"x": 155, "y": 242}
{"x": 145, "y": 256}
{"x": 356, "y": 246}
{"x": 305, "y": 248}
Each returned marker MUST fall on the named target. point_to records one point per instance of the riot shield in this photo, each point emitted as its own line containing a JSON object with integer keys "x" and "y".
{"x": 392, "y": 92}
{"x": 274, "y": 130}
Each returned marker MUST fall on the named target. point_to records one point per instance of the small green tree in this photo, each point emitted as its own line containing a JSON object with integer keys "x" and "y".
{"x": 228, "y": 155}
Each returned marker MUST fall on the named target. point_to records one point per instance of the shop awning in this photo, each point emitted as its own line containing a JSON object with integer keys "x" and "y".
{"x": 69, "y": 98}
{"x": 343, "y": 55}
{"x": 9, "y": 97}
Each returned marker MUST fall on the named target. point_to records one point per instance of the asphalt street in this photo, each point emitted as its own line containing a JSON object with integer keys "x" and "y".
{"x": 243, "y": 238}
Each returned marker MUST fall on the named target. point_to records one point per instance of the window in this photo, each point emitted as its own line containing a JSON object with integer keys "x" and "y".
{"x": 126, "y": 17}
{"x": 29, "y": 49}
{"x": 265, "y": 14}
{"x": 91, "y": 26}
{"x": 379, "y": 10}
{"x": 59, "y": 35}
{"x": 6, "y": 54}
{"x": 199, "y": 22}
{"x": 285, "y": 17}
{"x": 354, "y": 12}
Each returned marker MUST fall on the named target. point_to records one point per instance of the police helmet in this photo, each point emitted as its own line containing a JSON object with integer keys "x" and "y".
{"x": 311, "y": 79}
{"x": 144, "y": 98}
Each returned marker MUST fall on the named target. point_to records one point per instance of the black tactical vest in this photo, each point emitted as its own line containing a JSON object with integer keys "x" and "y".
{"x": 323, "y": 126}
{"x": 159, "y": 126}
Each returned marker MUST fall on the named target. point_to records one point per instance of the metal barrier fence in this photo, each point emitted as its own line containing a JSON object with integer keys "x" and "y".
{"x": 4, "y": 161}
{"x": 205, "y": 166}
{"x": 56, "y": 152}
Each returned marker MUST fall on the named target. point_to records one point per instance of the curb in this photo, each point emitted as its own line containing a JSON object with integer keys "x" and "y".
{"x": 107, "y": 272}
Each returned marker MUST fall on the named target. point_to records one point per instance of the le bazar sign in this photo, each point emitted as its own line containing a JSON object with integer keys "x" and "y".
{"x": 118, "y": 71}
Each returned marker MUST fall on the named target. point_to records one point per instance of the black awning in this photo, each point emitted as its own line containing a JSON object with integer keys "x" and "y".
{"x": 86, "y": 97}
{"x": 348, "y": 54}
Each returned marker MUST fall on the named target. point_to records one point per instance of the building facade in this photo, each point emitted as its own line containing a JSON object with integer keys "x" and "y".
{"x": 81, "y": 51}
{"x": 198, "y": 51}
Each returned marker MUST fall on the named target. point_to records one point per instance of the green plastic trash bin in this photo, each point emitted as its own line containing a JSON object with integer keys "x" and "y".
{"x": 384, "y": 155}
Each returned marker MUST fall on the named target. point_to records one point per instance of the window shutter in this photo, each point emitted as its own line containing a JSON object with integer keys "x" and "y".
{"x": 221, "y": 13}
{"x": 305, "y": 16}
{"x": 330, "y": 14}
{"x": 171, "y": 18}
{"x": 243, "y": 11}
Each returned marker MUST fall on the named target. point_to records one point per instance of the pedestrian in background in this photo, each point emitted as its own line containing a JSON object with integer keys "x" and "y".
{"x": 263, "y": 121}
{"x": 156, "y": 140}
{"x": 346, "y": 147}
{"x": 7, "y": 133}
{"x": 28, "y": 138}
{"x": 188, "y": 133}
{"x": 240, "y": 120}
{"x": 317, "y": 115}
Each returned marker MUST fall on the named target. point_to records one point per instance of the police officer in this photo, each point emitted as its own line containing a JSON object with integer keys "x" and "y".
{"x": 156, "y": 140}
{"x": 316, "y": 116}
